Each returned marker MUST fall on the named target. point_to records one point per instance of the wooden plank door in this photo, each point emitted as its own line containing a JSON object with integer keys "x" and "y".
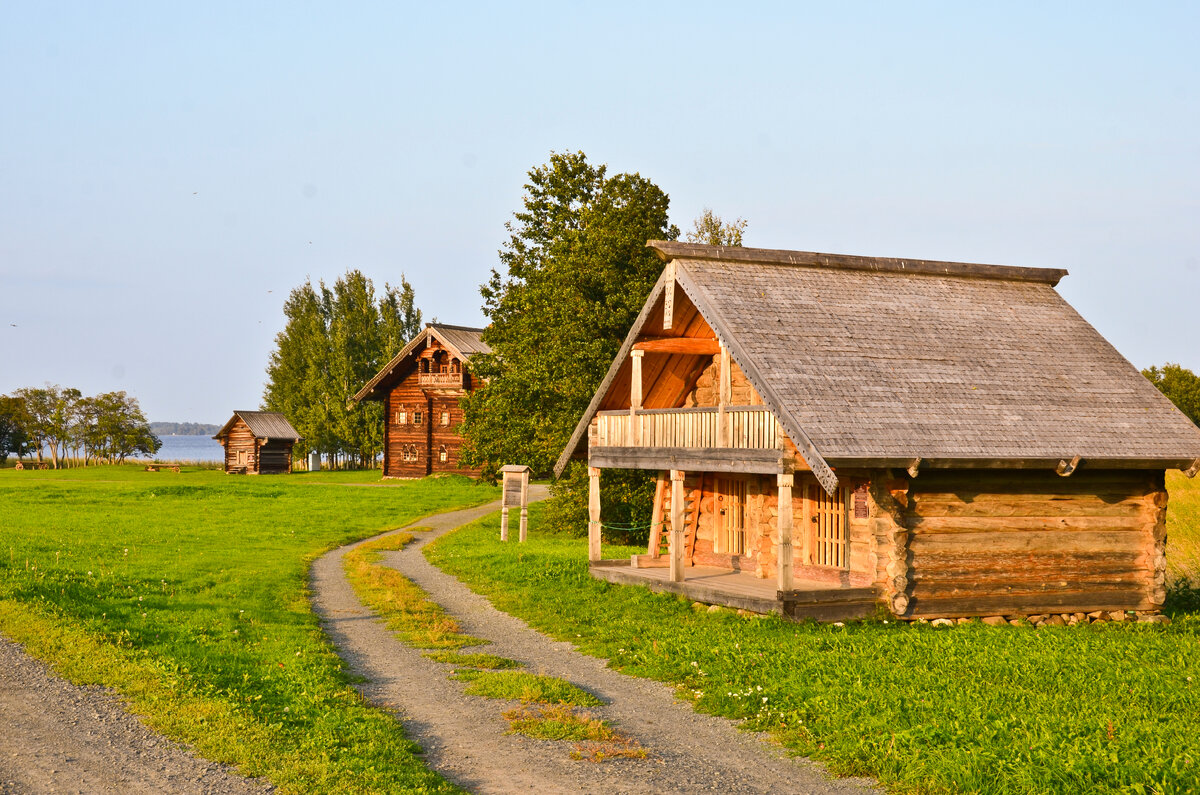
{"x": 731, "y": 516}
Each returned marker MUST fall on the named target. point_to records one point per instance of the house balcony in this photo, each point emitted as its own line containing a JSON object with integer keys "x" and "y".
{"x": 441, "y": 380}
{"x": 733, "y": 439}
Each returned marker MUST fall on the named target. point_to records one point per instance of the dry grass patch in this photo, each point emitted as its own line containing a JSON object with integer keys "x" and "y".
{"x": 418, "y": 621}
{"x": 526, "y": 687}
{"x": 477, "y": 660}
{"x": 1183, "y": 528}
{"x": 595, "y": 739}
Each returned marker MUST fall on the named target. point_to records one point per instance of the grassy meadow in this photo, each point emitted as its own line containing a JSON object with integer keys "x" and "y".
{"x": 1100, "y": 708}
{"x": 187, "y": 592}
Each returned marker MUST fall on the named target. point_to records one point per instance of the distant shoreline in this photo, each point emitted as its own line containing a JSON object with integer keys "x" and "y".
{"x": 161, "y": 429}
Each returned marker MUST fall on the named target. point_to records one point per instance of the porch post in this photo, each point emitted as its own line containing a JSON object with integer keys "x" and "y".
{"x": 593, "y": 513}
{"x": 723, "y": 390}
{"x": 783, "y": 552}
{"x": 676, "y": 544}
{"x": 635, "y": 395}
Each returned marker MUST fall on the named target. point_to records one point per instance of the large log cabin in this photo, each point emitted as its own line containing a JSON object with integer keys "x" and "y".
{"x": 834, "y": 432}
{"x": 420, "y": 389}
{"x": 257, "y": 443}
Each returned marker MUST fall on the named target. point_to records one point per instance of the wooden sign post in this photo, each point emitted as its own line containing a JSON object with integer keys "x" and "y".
{"x": 515, "y": 493}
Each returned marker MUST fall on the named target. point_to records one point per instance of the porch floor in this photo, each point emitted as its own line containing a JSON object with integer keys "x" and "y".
{"x": 742, "y": 590}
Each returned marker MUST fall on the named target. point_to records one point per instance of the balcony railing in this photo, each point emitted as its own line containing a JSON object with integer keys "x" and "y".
{"x": 440, "y": 380}
{"x": 745, "y": 427}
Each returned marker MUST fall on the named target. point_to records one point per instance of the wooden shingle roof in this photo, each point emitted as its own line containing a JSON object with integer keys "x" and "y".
{"x": 263, "y": 424}
{"x": 880, "y": 361}
{"x": 463, "y": 341}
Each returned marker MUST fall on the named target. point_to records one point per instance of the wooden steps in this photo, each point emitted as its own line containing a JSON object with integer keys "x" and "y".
{"x": 659, "y": 546}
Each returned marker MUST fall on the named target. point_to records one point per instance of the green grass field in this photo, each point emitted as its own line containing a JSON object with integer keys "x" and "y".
{"x": 187, "y": 592}
{"x": 1097, "y": 708}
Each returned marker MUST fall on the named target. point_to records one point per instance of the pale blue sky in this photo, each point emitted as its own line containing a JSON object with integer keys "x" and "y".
{"x": 168, "y": 172}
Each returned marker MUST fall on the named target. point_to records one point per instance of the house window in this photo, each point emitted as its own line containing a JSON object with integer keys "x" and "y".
{"x": 827, "y": 521}
{"x": 401, "y": 417}
{"x": 411, "y": 453}
{"x": 731, "y": 516}
{"x": 445, "y": 418}
{"x": 443, "y": 455}
{"x": 416, "y": 418}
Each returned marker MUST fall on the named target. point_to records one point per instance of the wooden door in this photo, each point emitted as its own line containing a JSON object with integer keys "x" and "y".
{"x": 828, "y": 539}
{"x": 731, "y": 516}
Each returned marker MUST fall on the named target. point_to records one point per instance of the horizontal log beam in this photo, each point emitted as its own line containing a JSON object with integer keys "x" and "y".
{"x": 698, "y": 459}
{"x": 1058, "y": 602}
{"x": 696, "y": 345}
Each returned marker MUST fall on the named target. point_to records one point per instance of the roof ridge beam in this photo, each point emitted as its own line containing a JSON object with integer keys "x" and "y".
{"x": 671, "y": 250}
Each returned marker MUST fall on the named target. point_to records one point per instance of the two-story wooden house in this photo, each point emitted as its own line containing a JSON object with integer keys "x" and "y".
{"x": 420, "y": 389}
{"x": 951, "y": 439}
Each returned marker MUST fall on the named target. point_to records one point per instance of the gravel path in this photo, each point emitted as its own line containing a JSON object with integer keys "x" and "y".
{"x": 57, "y": 737}
{"x": 464, "y": 736}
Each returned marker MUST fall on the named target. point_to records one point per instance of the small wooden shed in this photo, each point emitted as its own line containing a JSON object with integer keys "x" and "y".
{"x": 257, "y": 443}
{"x": 829, "y": 432}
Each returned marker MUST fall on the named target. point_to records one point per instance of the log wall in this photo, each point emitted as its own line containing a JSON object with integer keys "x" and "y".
{"x": 1023, "y": 543}
{"x": 704, "y": 393}
{"x": 240, "y": 439}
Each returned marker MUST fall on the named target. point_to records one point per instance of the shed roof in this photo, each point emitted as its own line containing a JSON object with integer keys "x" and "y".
{"x": 263, "y": 424}
{"x": 463, "y": 341}
{"x": 883, "y": 360}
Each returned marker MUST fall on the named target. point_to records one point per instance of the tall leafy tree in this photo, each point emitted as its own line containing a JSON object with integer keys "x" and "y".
{"x": 13, "y": 419}
{"x": 711, "y": 230}
{"x": 335, "y": 339}
{"x": 574, "y": 274}
{"x": 1180, "y": 385}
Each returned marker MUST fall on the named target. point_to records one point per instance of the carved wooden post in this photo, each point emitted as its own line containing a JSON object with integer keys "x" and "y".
{"x": 635, "y": 395}
{"x": 593, "y": 513}
{"x": 783, "y": 553}
{"x": 676, "y": 544}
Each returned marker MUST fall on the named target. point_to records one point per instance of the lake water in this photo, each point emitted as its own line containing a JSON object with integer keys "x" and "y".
{"x": 190, "y": 448}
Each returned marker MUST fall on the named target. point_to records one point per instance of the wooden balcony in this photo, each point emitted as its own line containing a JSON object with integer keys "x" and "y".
{"x": 440, "y": 380}
{"x": 744, "y": 427}
{"x": 740, "y": 439}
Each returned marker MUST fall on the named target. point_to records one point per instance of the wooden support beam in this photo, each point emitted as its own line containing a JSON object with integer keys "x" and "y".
{"x": 783, "y": 551}
{"x": 914, "y": 467}
{"x": 635, "y": 388}
{"x": 676, "y": 541}
{"x": 1067, "y": 469}
{"x": 697, "y": 345}
{"x": 593, "y": 513}
{"x": 724, "y": 388}
{"x": 1193, "y": 469}
{"x": 635, "y": 394}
